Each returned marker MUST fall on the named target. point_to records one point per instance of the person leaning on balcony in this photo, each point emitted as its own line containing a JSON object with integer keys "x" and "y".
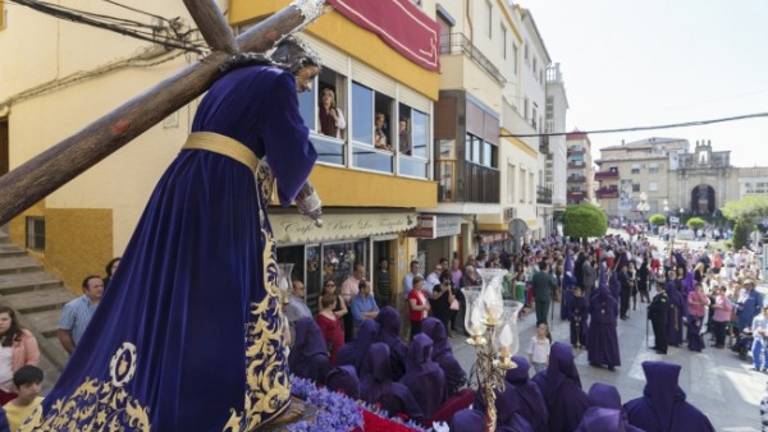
{"x": 405, "y": 137}
{"x": 381, "y": 134}
{"x": 332, "y": 121}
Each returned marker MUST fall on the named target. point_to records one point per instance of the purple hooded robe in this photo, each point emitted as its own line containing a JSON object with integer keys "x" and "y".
{"x": 423, "y": 377}
{"x": 353, "y": 353}
{"x": 442, "y": 354}
{"x": 309, "y": 355}
{"x": 343, "y": 379}
{"x": 663, "y": 408}
{"x": 677, "y": 308}
{"x": 605, "y": 413}
{"x": 561, "y": 387}
{"x": 602, "y": 339}
{"x": 389, "y": 333}
{"x": 532, "y": 406}
{"x": 377, "y": 386}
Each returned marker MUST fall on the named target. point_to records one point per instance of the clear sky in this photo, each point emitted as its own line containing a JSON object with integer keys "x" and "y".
{"x": 635, "y": 63}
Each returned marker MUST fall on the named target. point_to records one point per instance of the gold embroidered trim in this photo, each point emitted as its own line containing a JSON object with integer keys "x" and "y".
{"x": 97, "y": 405}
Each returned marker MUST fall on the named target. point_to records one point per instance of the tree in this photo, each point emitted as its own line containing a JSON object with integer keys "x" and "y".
{"x": 585, "y": 220}
{"x": 741, "y": 232}
{"x": 696, "y": 223}
{"x": 750, "y": 207}
{"x": 658, "y": 219}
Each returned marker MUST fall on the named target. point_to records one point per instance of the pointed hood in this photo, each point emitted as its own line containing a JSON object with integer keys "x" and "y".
{"x": 419, "y": 352}
{"x": 518, "y": 375}
{"x": 561, "y": 367}
{"x": 604, "y": 396}
{"x": 468, "y": 420}
{"x": 376, "y": 375}
{"x": 353, "y": 353}
{"x": 602, "y": 420}
{"x": 435, "y": 329}
{"x": 389, "y": 322}
{"x": 344, "y": 379}
{"x": 662, "y": 389}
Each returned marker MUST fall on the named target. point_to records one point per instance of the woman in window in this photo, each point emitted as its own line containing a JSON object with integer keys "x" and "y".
{"x": 381, "y": 133}
{"x": 332, "y": 121}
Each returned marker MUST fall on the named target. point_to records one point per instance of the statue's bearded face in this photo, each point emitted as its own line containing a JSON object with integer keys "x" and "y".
{"x": 305, "y": 76}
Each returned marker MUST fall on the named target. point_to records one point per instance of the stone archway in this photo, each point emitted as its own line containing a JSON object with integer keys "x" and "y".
{"x": 703, "y": 199}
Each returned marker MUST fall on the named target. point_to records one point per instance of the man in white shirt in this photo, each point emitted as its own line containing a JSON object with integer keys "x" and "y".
{"x": 433, "y": 280}
{"x": 408, "y": 279}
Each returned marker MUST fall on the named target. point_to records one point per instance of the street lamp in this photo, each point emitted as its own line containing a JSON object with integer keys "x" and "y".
{"x": 666, "y": 213}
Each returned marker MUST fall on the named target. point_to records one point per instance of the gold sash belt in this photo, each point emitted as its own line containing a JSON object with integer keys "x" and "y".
{"x": 223, "y": 145}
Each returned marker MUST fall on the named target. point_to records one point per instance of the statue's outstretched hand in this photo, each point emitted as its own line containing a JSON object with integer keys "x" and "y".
{"x": 309, "y": 204}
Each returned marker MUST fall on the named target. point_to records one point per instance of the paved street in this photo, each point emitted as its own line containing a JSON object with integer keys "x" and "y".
{"x": 715, "y": 381}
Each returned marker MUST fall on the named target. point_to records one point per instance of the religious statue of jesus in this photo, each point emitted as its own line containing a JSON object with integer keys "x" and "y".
{"x": 189, "y": 335}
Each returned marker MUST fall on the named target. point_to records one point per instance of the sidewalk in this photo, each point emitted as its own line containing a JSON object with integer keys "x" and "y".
{"x": 715, "y": 381}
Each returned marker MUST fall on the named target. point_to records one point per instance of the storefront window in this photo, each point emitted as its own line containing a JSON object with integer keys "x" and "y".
{"x": 339, "y": 260}
{"x": 313, "y": 284}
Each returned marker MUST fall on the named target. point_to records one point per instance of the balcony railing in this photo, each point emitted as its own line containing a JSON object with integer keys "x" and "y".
{"x": 607, "y": 175}
{"x": 575, "y": 197}
{"x": 577, "y": 179}
{"x": 461, "y": 181}
{"x": 579, "y": 164}
{"x": 543, "y": 195}
{"x": 607, "y": 192}
{"x": 458, "y": 43}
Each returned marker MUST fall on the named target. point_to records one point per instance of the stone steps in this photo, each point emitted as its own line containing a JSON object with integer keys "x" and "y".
{"x": 47, "y": 322}
{"x": 14, "y": 283}
{"x": 19, "y": 264}
{"x": 38, "y": 301}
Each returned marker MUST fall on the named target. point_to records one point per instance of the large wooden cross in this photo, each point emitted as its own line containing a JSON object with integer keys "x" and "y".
{"x": 38, "y": 177}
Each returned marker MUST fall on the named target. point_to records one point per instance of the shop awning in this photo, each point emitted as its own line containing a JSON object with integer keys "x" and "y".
{"x": 492, "y": 236}
{"x": 294, "y": 228}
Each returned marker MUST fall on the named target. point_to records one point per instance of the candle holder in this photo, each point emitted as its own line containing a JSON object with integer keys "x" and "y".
{"x": 284, "y": 271}
{"x": 491, "y": 322}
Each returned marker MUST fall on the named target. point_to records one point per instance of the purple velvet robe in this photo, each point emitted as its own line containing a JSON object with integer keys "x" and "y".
{"x": 602, "y": 339}
{"x": 389, "y": 333}
{"x": 377, "y": 386}
{"x": 423, "y": 377}
{"x": 343, "y": 379}
{"x": 532, "y": 406}
{"x": 561, "y": 387}
{"x": 309, "y": 355}
{"x": 676, "y": 312}
{"x": 605, "y": 412}
{"x": 353, "y": 353}
{"x": 196, "y": 296}
{"x": 663, "y": 408}
{"x": 442, "y": 354}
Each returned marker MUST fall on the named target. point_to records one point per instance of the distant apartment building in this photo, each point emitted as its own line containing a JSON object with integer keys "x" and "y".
{"x": 579, "y": 173}
{"x": 554, "y": 147}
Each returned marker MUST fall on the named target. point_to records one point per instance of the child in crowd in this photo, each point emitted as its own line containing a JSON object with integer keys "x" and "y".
{"x": 538, "y": 351}
{"x": 28, "y": 380}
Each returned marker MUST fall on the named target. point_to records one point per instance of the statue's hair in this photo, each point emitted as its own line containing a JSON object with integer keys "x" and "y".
{"x": 290, "y": 54}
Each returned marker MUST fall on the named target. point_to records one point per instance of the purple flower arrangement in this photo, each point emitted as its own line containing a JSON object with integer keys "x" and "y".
{"x": 336, "y": 412}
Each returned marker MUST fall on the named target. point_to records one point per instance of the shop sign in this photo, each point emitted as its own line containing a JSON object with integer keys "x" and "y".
{"x": 492, "y": 237}
{"x": 294, "y": 228}
{"x": 435, "y": 226}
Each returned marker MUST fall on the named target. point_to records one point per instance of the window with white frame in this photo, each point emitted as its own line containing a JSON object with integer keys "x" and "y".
{"x": 414, "y": 137}
{"x": 653, "y": 168}
{"x": 531, "y": 188}
{"x": 503, "y": 42}
{"x": 636, "y": 169}
{"x": 522, "y": 185}
{"x": 489, "y": 17}
{"x": 515, "y": 55}
{"x": 635, "y": 187}
{"x": 653, "y": 186}
{"x": 525, "y": 51}
{"x": 371, "y": 133}
{"x": 533, "y": 116}
{"x": 510, "y": 183}
{"x": 324, "y": 111}
{"x": 525, "y": 109}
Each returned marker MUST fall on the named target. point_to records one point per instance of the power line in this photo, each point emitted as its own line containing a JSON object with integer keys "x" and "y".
{"x": 642, "y": 128}
{"x": 114, "y": 24}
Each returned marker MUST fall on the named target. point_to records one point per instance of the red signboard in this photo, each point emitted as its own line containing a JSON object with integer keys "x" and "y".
{"x": 400, "y": 23}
